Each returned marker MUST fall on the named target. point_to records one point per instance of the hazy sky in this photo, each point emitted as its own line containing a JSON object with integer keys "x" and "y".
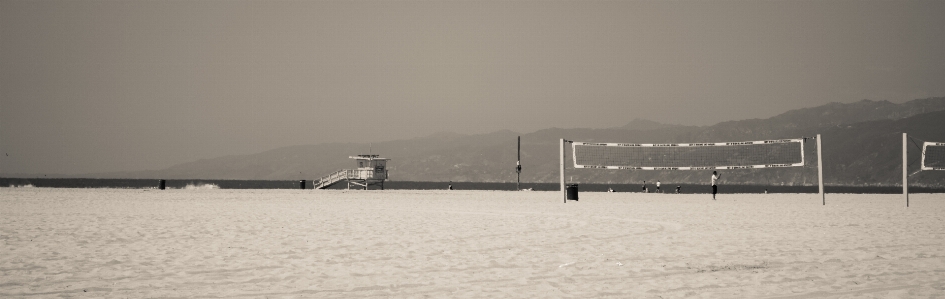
{"x": 91, "y": 86}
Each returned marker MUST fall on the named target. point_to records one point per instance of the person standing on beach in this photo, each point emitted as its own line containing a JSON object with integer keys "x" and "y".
{"x": 677, "y": 189}
{"x": 657, "y": 186}
{"x": 715, "y": 189}
{"x": 644, "y": 187}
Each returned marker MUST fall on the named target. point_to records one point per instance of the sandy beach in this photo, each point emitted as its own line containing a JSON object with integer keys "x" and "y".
{"x": 133, "y": 243}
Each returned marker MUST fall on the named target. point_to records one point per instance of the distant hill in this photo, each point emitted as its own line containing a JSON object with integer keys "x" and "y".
{"x": 645, "y": 124}
{"x": 862, "y": 144}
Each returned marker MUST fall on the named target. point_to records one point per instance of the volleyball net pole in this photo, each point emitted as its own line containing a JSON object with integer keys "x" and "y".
{"x": 905, "y": 167}
{"x": 820, "y": 172}
{"x": 564, "y": 192}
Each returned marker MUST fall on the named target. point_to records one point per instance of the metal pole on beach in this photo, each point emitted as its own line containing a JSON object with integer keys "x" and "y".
{"x": 820, "y": 172}
{"x": 905, "y": 168}
{"x": 564, "y": 193}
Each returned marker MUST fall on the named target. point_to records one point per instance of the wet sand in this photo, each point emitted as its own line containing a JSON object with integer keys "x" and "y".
{"x": 472, "y": 244}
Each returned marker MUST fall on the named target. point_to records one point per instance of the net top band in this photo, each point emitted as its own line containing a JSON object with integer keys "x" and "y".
{"x": 689, "y": 156}
{"x": 687, "y": 168}
{"x": 689, "y": 144}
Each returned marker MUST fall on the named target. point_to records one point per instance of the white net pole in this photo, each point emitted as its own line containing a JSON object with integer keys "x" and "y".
{"x": 803, "y": 140}
{"x": 905, "y": 167}
{"x": 564, "y": 192}
{"x": 924, "y": 146}
{"x": 820, "y": 171}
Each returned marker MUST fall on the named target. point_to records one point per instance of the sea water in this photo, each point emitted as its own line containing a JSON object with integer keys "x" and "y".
{"x": 667, "y": 187}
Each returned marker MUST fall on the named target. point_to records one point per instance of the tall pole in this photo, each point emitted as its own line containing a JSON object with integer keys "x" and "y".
{"x": 820, "y": 171}
{"x": 905, "y": 168}
{"x": 564, "y": 193}
{"x": 518, "y": 166}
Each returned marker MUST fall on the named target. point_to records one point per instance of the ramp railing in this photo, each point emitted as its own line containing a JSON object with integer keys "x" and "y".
{"x": 331, "y": 179}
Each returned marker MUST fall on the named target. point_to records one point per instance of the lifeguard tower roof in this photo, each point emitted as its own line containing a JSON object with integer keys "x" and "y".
{"x": 367, "y": 157}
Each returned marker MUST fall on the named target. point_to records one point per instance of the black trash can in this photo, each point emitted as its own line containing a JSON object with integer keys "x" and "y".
{"x": 161, "y": 184}
{"x": 301, "y": 184}
{"x": 572, "y": 190}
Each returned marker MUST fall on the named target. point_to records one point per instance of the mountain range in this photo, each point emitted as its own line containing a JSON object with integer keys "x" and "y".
{"x": 861, "y": 147}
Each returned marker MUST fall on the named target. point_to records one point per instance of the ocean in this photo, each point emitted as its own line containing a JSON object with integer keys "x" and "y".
{"x": 412, "y": 185}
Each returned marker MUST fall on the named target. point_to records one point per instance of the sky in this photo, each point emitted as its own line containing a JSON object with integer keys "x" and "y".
{"x": 100, "y": 86}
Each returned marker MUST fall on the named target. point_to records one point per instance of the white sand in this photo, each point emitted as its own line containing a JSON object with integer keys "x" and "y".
{"x": 304, "y": 243}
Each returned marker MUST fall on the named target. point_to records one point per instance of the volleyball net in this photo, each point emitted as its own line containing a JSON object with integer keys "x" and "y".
{"x": 933, "y": 156}
{"x": 689, "y": 156}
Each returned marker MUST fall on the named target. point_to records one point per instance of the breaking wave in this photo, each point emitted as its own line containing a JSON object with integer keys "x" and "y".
{"x": 201, "y": 187}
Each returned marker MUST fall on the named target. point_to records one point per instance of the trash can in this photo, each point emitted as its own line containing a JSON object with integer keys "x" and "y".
{"x": 572, "y": 190}
{"x": 301, "y": 184}
{"x": 161, "y": 184}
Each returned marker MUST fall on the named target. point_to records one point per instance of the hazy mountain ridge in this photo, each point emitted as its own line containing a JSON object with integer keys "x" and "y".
{"x": 646, "y": 124}
{"x": 862, "y": 144}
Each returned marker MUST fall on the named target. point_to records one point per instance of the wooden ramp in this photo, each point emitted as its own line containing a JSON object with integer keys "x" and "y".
{"x": 331, "y": 179}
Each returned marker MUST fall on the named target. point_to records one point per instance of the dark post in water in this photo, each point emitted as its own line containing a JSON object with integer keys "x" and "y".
{"x": 518, "y": 166}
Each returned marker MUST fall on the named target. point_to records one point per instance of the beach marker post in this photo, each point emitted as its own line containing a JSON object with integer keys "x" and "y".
{"x": 820, "y": 171}
{"x": 905, "y": 167}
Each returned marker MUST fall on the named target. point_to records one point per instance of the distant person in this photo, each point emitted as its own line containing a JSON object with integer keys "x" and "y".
{"x": 644, "y": 187}
{"x": 450, "y": 187}
{"x": 610, "y": 189}
{"x": 766, "y": 191}
{"x": 677, "y": 189}
{"x": 715, "y": 188}
{"x": 657, "y": 186}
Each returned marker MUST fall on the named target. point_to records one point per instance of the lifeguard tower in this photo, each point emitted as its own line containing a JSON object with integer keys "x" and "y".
{"x": 372, "y": 170}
